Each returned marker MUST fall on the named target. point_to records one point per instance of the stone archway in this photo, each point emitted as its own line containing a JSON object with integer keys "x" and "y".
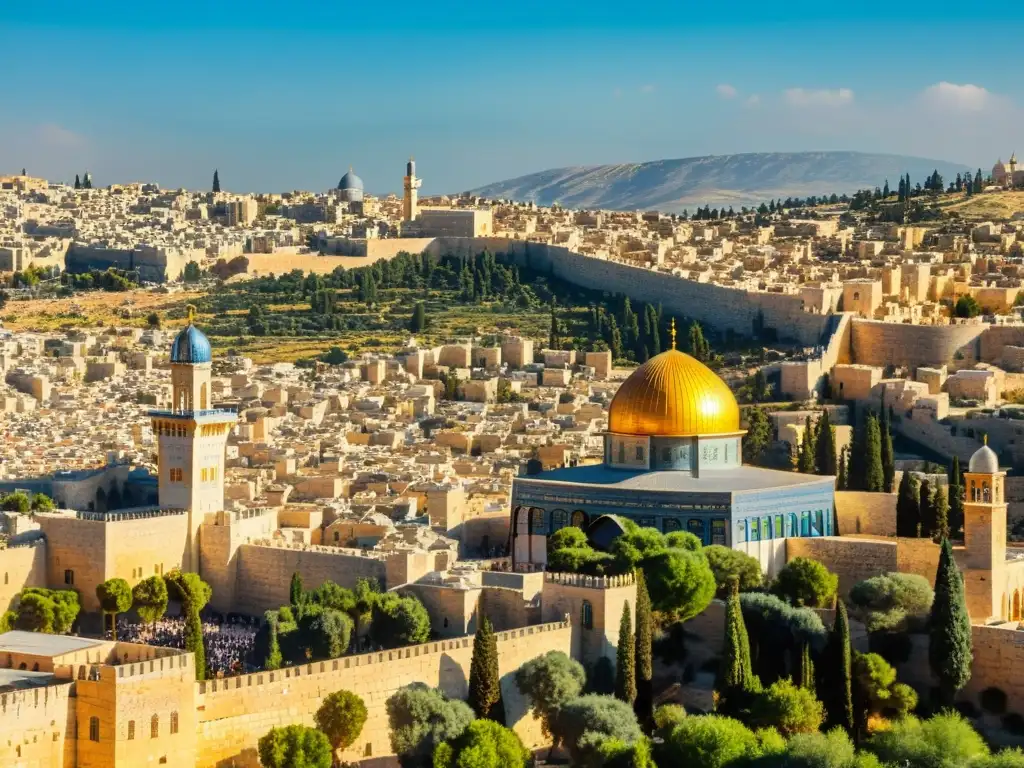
{"x": 1015, "y": 610}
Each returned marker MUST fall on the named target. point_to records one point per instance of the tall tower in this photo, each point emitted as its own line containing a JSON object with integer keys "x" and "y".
{"x": 410, "y": 201}
{"x": 985, "y": 536}
{"x": 191, "y": 438}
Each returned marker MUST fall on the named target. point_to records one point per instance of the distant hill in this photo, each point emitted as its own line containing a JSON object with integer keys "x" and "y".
{"x": 736, "y": 180}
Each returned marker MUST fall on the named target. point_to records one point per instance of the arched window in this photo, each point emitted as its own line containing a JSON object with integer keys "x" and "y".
{"x": 587, "y": 615}
{"x": 154, "y": 726}
{"x": 559, "y": 519}
{"x": 537, "y": 520}
{"x": 202, "y": 397}
{"x": 696, "y": 526}
{"x": 131, "y": 730}
{"x": 94, "y": 729}
{"x": 670, "y": 524}
{"x": 174, "y": 722}
{"x": 578, "y": 519}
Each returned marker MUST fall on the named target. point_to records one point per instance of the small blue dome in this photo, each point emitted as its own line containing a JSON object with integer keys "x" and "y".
{"x": 350, "y": 181}
{"x": 191, "y": 346}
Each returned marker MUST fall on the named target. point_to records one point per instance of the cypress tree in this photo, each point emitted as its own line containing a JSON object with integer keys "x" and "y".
{"x": 484, "y": 683}
{"x": 642, "y": 647}
{"x": 949, "y": 632}
{"x": 736, "y": 679}
{"x": 805, "y": 459}
{"x": 825, "y": 447}
{"x": 873, "y": 478}
{"x": 625, "y": 662}
{"x": 856, "y": 462}
{"x": 78, "y": 182}
{"x": 806, "y": 670}
{"x": 926, "y": 514}
{"x": 837, "y": 673}
{"x": 908, "y": 506}
{"x": 940, "y": 515}
{"x": 419, "y": 318}
{"x": 888, "y": 459}
{"x": 216, "y": 181}
{"x": 194, "y": 640}
{"x": 295, "y": 590}
{"x": 273, "y": 660}
{"x": 842, "y": 481}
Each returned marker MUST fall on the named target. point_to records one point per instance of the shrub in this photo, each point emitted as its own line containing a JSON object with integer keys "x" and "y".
{"x": 726, "y": 563}
{"x": 708, "y": 741}
{"x": 550, "y": 681}
{"x": 484, "y": 744}
{"x": 887, "y": 602}
{"x": 680, "y": 583}
{"x": 683, "y": 540}
{"x": 668, "y": 716}
{"x": 875, "y": 690}
{"x": 788, "y": 708}
{"x": 1008, "y": 758}
{"x": 420, "y": 718}
{"x": 590, "y": 716}
{"x": 399, "y": 621}
{"x": 570, "y": 537}
{"x": 806, "y": 582}
{"x": 326, "y": 634}
{"x": 826, "y": 750}
{"x": 341, "y": 717}
{"x": 294, "y": 746}
{"x": 632, "y": 547}
{"x": 944, "y": 741}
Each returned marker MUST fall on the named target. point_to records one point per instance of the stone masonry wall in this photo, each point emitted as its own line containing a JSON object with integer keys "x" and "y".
{"x": 881, "y": 344}
{"x": 860, "y": 512}
{"x": 35, "y": 726}
{"x": 265, "y": 572}
{"x": 21, "y": 567}
{"x": 234, "y": 713}
{"x": 852, "y": 559}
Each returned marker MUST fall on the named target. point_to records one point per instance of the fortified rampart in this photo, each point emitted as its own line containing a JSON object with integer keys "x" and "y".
{"x": 879, "y": 343}
{"x": 235, "y": 712}
{"x": 36, "y": 727}
{"x": 21, "y": 566}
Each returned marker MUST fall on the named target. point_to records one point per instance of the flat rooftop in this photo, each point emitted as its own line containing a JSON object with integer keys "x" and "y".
{"x": 745, "y": 478}
{"x": 39, "y": 644}
{"x": 20, "y": 679}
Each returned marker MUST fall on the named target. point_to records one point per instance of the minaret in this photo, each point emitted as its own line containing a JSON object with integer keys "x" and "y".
{"x": 984, "y": 564}
{"x": 410, "y": 202}
{"x": 191, "y": 438}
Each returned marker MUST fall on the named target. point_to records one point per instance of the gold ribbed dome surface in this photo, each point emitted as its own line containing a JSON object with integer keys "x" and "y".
{"x": 673, "y": 394}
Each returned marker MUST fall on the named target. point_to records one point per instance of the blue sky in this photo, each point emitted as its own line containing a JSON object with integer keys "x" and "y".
{"x": 282, "y": 96}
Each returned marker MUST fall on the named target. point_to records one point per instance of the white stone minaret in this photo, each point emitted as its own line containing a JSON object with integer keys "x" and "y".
{"x": 985, "y": 536}
{"x": 410, "y": 201}
{"x": 192, "y": 438}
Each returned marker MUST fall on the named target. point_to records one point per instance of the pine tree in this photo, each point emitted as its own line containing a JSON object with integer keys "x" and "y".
{"x": 484, "y": 683}
{"x": 295, "y": 589}
{"x": 888, "y": 458}
{"x": 940, "y": 515}
{"x": 643, "y": 655}
{"x": 736, "y": 679}
{"x": 949, "y": 632}
{"x": 216, "y": 181}
{"x": 873, "y": 477}
{"x": 625, "y": 662}
{"x": 836, "y": 673}
{"x": 825, "y": 447}
{"x": 842, "y": 481}
{"x": 926, "y": 513}
{"x": 78, "y": 182}
{"x": 908, "y": 506}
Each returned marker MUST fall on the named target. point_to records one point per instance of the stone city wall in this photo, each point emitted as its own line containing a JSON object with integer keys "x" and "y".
{"x": 265, "y": 573}
{"x": 35, "y": 725}
{"x": 507, "y": 609}
{"x": 851, "y": 558}
{"x": 235, "y": 712}
{"x": 20, "y": 567}
{"x": 721, "y": 307}
{"x": 879, "y": 343}
{"x": 860, "y": 512}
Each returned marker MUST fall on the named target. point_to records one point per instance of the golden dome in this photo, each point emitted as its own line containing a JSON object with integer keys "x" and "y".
{"x": 673, "y": 394}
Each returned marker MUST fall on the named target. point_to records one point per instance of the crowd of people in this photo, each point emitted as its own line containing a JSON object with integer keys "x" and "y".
{"x": 228, "y": 643}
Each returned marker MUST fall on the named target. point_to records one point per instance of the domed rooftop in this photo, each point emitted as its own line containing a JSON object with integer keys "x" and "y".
{"x": 350, "y": 181}
{"x": 984, "y": 461}
{"x": 673, "y": 394}
{"x": 191, "y": 345}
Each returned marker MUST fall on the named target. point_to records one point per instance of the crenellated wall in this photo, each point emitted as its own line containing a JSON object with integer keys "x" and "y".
{"x": 235, "y": 712}
{"x": 35, "y": 726}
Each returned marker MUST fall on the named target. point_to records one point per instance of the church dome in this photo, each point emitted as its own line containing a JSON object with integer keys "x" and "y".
{"x": 673, "y": 394}
{"x": 350, "y": 181}
{"x": 191, "y": 346}
{"x": 984, "y": 461}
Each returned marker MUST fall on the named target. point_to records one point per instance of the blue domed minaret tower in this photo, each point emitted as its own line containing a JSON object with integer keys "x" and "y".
{"x": 191, "y": 438}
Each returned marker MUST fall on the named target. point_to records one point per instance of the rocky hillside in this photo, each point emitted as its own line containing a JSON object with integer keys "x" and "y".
{"x": 672, "y": 185}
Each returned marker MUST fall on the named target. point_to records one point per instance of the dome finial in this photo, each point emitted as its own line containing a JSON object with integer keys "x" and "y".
{"x": 984, "y": 439}
{"x": 673, "y": 332}
{"x": 191, "y": 309}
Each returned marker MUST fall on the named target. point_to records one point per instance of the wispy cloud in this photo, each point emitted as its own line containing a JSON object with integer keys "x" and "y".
{"x": 752, "y": 100}
{"x": 726, "y": 91}
{"x": 960, "y": 98}
{"x": 649, "y": 88}
{"x": 823, "y": 97}
{"x": 53, "y": 135}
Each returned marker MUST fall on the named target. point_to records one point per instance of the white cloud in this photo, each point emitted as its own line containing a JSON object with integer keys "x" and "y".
{"x": 726, "y": 91}
{"x": 649, "y": 88}
{"x": 753, "y": 100}
{"x": 950, "y": 96}
{"x": 824, "y": 97}
{"x": 53, "y": 135}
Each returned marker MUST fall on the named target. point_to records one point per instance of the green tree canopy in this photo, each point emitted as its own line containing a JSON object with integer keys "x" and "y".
{"x": 341, "y": 717}
{"x": 399, "y": 621}
{"x": 727, "y": 563}
{"x": 680, "y": 583}
{"x": 788, "y": 708}
{"x": 149, "y": 598}
{"x": 836, "y": 673}
{"x": 709, "y": 741}
{"x": 887, "y": 602}
{"x": 420, "y": 718}
{"x": 294, "y": 746}
{"x": 806, "y": 582}
{"x": 625, "y": 659}
{"x": 549, "y": 681}
{"x": 115, "y": 596}
{"x": 967, "y": 306}
{"x": 484, "y": 744}
{"x": 484, "y": 682}
{"x": 950, "y": 651}
{"x": 736, "y": 684}
{"x": 42, "y": 503}
{"x": 876, "y": 692}
{"x": 326, "y": 634}
{"x": 943, "y": 741}
{"x": 582, "y": 723}
{"x": 16, "y": 501}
